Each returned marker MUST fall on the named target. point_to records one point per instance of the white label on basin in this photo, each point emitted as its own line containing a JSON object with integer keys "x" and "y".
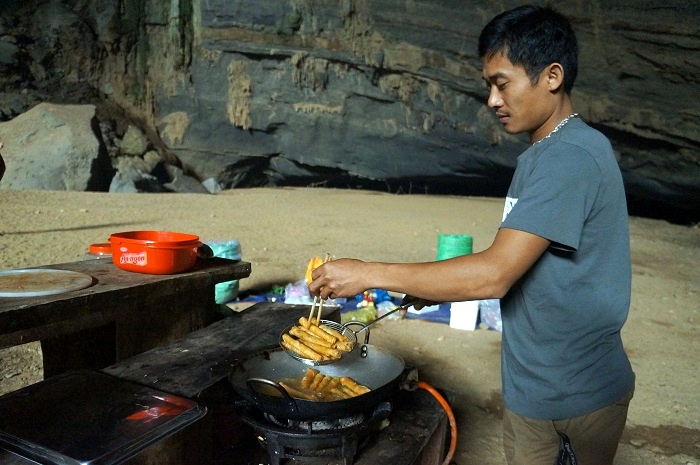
{"x": 138, "y": 259}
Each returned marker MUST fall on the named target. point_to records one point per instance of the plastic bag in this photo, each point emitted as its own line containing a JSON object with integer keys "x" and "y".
{"x": 364, "y": 315}
{"x": 231, "y": 249}
{"x": 490, "y": 314}
{"x": 297, "y": 293}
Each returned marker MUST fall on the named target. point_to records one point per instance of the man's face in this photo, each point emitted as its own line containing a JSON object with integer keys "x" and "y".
{"x": 520, "y": 105}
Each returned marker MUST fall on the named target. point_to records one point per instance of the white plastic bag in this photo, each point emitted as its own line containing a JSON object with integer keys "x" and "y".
{"x": 490, "y": 314}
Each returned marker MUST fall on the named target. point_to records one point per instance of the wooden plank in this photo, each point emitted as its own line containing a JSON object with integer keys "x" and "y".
{"x": 435, "y": 450}
{"x": 411, "y": 429}
{"x": 114, "y": 292}
{"x": 188, "y": 366}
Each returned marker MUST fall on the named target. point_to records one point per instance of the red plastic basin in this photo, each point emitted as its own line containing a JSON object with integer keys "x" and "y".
{"x": 154, "y": 252}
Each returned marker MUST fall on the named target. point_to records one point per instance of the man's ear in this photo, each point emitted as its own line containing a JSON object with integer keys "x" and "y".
{"x": 555, "y": 76}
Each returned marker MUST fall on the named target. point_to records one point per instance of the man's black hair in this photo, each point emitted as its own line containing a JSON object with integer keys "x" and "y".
{"x": 532, "y": 37}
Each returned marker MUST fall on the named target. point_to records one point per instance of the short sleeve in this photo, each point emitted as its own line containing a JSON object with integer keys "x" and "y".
{"x": 556, "y": 195}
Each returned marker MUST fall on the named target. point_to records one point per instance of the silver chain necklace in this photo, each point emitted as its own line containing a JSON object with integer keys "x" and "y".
{"x": 559, "y": 126}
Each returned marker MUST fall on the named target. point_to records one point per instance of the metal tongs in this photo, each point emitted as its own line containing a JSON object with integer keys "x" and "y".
{"x": 318, "y": 300}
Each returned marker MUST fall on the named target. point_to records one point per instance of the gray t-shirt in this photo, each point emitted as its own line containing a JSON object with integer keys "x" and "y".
{"x": 562, "y": 353}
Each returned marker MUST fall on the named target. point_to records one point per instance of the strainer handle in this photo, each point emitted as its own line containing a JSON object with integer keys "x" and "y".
{"x": 367, "y": 325}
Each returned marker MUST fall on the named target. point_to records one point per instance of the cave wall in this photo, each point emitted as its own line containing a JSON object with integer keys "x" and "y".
{"x": 382, "y": 94}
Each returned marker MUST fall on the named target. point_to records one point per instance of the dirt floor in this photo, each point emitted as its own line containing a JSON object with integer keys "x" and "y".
{"x": 281, "y": 229}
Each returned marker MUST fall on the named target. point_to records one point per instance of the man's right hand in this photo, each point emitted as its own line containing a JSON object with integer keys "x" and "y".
{"x": 338, "y": 278}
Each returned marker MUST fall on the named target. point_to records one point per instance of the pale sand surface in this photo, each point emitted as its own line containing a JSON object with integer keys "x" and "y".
{"x": 281, "y": 229}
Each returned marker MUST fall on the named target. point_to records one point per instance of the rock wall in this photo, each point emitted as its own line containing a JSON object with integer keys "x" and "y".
{"x": 350, "y": 93}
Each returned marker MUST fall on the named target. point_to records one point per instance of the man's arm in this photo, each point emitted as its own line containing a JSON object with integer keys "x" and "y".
{"x": 483, "y": 275}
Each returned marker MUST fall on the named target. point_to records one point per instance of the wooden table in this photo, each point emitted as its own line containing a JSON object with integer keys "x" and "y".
{"x": 120, "y": 315}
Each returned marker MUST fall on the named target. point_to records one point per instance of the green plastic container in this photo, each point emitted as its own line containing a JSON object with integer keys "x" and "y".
{"x": 453, "y": 245}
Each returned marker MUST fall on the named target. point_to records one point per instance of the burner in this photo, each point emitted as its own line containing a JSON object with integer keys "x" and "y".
{"x": 293, "y": 439}
{"x": 313, "y": 425}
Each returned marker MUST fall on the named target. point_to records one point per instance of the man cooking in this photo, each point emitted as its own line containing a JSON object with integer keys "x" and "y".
{"x": 560, "y": 261}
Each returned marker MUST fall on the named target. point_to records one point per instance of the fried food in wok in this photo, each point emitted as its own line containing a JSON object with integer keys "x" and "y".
{"x": 316, "y": 386}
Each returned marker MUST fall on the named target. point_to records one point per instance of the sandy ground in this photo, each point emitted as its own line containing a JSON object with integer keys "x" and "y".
{"x": 281, "y": 229}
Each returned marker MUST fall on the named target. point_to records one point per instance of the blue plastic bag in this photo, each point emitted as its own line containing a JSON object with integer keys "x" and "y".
{"x": 231, "y": 249}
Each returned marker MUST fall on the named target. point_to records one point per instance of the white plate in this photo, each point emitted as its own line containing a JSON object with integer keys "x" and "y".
{"x": 37, "y": 282}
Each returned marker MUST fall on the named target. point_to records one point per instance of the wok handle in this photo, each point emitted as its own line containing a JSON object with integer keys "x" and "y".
{"x": 250, "y": 382}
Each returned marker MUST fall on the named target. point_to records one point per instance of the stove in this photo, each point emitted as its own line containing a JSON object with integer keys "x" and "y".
{"x": 337, "y": 440}
{"x": 405, "y": 428}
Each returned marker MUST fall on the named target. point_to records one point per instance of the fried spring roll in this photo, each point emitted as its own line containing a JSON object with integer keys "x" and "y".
{"x": 306, "y": 336}
{"x": 332, "y": 384}
{"x": 308, "y": 378}
{"x": 298, "y": 393}
{"x": 353, "y": 385}
{"x": 327, "y": 391}
{"x": 317, "y": 380}
{"x": 338, "y": 392}
{"x": 347, "y": 390}
{"x": 322, "y": 334}
{"x": 304, "y": 351}
{"x": 340, "y": 336}
{"x": 328, "y": 352}
{"x": 344, "y": 346}
{"x": 323, "y": 384}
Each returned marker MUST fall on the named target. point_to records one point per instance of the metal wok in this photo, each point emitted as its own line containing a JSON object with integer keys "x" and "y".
{"x": 256, "y": 380}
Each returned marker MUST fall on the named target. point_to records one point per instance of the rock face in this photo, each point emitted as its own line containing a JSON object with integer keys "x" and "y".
{"x": 54, "y": 147}
{"x": 376, "y": 95}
